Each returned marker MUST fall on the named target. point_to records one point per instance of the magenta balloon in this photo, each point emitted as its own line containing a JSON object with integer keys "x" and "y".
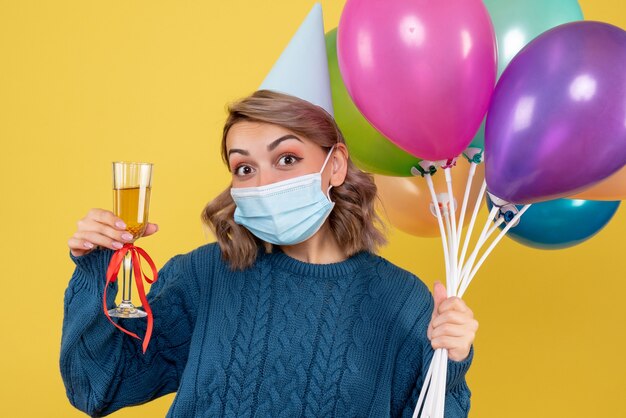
{"x": 557, "y": 121}
{"x": 421, "y": 71}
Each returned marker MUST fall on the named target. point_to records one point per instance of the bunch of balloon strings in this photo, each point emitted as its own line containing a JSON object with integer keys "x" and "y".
{"x": 461, "y": 266}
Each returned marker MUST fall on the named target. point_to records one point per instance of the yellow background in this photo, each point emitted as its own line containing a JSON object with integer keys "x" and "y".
{"x": 83, "y": 83}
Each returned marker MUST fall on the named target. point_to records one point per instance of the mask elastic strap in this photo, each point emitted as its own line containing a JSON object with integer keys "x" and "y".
{"x": 323, "y": 167}
{"x": 328, "y": 193}
{"x": 327, "y": 158}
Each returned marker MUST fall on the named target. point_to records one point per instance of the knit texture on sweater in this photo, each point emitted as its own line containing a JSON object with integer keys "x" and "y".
{"x": 283, "y": 338}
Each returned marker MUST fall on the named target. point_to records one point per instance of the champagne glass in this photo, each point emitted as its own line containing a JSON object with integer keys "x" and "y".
{"x": 132, "y": 183}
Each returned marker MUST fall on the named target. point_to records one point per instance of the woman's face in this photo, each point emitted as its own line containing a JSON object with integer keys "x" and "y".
{"x": 262, "y": 153}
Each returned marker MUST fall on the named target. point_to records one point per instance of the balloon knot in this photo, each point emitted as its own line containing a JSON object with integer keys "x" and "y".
{"x": 474, "y": 155}
{"x": 508, "y": 216}
{"x": 449, "y": 163}
{"x": 418, "y": 170}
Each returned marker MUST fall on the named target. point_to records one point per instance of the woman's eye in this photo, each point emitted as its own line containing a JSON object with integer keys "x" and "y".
{"x": 243, "y": 170}
{"x": 288, "y": 159}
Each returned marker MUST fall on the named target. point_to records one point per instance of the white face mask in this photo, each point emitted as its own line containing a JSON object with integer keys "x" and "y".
{"x": 286, "y": 212}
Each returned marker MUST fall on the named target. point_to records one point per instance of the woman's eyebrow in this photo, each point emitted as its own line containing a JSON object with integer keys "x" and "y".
{"x": 239, "y": 151}
{"x": 270, "y": 147}
{"x": 274, "y": 144}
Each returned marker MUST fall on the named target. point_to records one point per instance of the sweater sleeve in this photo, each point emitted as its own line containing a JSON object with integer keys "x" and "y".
{"x": 412, "y": 365}
{"x": 104, "y": 369}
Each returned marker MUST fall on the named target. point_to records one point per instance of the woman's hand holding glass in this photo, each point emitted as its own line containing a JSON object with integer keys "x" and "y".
{"x": 101, "y": 228}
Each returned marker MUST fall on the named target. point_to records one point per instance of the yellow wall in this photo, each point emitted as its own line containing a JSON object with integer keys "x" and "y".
{"x": 83, "y": 83}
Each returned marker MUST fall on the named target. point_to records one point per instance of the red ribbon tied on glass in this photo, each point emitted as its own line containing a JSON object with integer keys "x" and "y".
{"x": 114, "y": 267}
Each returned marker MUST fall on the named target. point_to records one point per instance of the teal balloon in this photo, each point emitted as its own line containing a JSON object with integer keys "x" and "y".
{"x": 561, "y": 223}
{"x": 369, "y": 149}
{"x": 517, "y": 22}
{"x": 479, "y": 138}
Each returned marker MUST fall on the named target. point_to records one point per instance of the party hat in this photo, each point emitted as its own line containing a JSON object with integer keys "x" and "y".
{"x": 302, "y": 68}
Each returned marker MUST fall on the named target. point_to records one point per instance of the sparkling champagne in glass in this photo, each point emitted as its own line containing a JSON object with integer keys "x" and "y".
{"x": 132, "y": 183}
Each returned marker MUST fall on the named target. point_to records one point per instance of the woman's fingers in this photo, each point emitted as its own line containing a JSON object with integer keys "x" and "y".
{"x": 448, "y": 342}
{"x": 79, "y": 247}
{"x": 439, "y": 296}
{"x": 457, "y": 339}
{"x": 453, "y": 303}
{"x": 150, "y": 229}
{"x": 99, "y": 227}
{"x": 458, "y": 348}
{"x": 105, "y": 230}
{"x": 102, "y": 240}
{"x": 452, "y": 317}
{"x": 102, "y": 228}
{"x": 453, "y": 330}
{"x": 106, "y": 217}
{"x": 453, "y": 327}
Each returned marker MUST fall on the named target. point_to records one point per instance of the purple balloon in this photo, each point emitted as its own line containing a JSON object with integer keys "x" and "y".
{"x": 557, "y": 120}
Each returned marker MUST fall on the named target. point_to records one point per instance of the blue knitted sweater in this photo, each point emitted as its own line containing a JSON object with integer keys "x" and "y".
{"x": 283, "y": 338}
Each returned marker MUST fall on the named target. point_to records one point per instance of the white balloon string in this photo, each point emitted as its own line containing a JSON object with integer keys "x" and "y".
{"x": 442, "y": 231}
{"x": 468, "y": 188}
{"x": 433, "y": 195}
{"x": 470, "y": 228}
{"x": 493, "y": 245}
{"x": 467, "y": 268}
{"x": 449, "y": 277}
{"x": 444, "y": 378}
{"x": 428, "y": 405}
{"x": 425, "y": 385}
{"x": 453, "y": 246}
{"x": 479, "y": 245}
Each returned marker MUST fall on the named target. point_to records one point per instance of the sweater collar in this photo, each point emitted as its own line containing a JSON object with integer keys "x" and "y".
{"x": 342, "y": 268}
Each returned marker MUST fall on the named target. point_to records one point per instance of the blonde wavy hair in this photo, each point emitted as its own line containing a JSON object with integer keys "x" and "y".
{"x": 353, "y": 221}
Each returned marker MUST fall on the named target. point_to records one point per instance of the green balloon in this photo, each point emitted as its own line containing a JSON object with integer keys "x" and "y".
{"x": 369, "y": 149}
{"x": 517, "y": 22}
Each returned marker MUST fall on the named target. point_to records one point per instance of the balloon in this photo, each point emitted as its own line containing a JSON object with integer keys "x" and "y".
{"x": 561, "y": 223}
{"x": 479, "y": 138}
{"x": 517, "y": 22}
{"x": 557, "y": 119}
{"x": 369, "y": 149}
{"x": 406, "y": 201}
{"x": 612, "y": 188}
{"x": 422, "y": 72}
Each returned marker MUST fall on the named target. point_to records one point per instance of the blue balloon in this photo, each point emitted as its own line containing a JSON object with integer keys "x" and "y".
{"x": 561, "y": 223}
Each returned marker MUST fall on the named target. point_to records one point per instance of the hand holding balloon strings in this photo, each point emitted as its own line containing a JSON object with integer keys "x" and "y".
{"x": 458, "y": 276}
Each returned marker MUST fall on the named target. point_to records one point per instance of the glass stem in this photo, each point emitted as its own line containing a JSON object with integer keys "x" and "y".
{"x": 127, "y": 278}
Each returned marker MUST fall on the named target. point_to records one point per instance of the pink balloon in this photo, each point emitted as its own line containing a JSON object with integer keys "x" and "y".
{"x": 421, "y": 71}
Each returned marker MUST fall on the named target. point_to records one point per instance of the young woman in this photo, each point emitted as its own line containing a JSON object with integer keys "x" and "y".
{"x": 290, "y": 313}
